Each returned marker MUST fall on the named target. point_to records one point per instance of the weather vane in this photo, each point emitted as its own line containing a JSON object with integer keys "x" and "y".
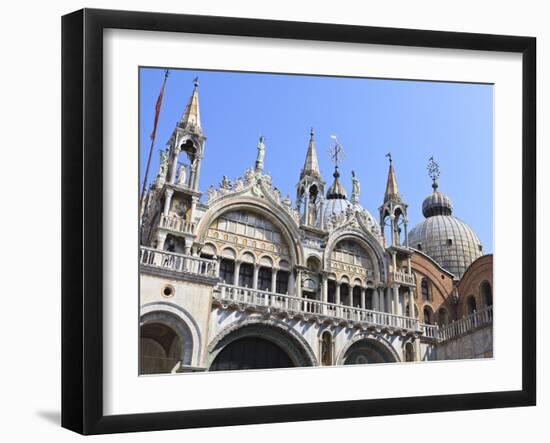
{"x": 433, "y": 170}
{"x": 388, "y": 155}
{"x": 336, "y": 151}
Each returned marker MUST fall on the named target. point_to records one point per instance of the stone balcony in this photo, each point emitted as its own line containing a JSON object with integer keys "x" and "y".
{"x": 270, "y": 303}
{"x": 176, "y": 224}
{"x": 402, "y": 278}
{"x": 178, "y": 265}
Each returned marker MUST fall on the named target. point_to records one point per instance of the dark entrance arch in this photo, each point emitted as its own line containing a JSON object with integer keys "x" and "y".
{"x": 160, "y": 349}
{"x": 251, "y": 353}
{"x": 367, "y": 351}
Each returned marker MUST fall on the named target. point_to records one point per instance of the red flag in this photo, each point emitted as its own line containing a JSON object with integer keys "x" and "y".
{"x": 158, "y": 106}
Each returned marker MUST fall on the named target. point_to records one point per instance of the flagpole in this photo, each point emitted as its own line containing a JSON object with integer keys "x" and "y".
{"x": 153, "y": 136}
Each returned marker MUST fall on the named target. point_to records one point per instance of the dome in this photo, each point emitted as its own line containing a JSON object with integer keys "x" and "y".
{"x": 448, "y": 240}
{"x": 336, "y": 206}
{"x": 437, "y": 203}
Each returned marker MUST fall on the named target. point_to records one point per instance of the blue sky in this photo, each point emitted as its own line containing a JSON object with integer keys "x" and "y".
{"x": 411, "y": 119}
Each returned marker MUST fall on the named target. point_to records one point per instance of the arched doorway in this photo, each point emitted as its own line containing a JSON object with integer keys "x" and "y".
{"x": 367, "y": 351}
{"x": 161, "y": 349}
{"x": 251, "y": 353}
{"x": 259, "y": 345}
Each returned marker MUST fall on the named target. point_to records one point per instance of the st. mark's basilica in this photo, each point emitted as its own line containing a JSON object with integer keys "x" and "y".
{"x": 244, "y": 278}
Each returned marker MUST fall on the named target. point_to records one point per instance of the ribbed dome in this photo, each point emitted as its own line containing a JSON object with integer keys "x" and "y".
{"x": 448, "y": 240}
{"x": 437, "y": 203}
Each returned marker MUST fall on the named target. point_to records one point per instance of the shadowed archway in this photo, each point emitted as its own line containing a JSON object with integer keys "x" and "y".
{"x": 258, "y": 345}
{"x": 367, "y": 351}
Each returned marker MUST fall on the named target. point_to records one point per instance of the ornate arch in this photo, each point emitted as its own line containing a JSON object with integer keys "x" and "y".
{"x": 376, "y": 341}
{"x": 366, "y": 240}
{"x": 286, "y": 224}
{"x": 181, "y": 322}
{"x": 272, "y": 330}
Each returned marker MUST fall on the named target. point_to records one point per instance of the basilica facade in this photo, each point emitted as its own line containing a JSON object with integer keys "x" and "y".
{"x": 244, "y": 278}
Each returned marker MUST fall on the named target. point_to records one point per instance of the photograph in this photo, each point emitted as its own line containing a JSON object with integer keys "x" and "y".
{"x": 290, "y": 220}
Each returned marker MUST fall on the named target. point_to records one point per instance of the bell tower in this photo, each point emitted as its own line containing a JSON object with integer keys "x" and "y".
{"x": 310, "y": 188}
{"x": 176, "y": 185}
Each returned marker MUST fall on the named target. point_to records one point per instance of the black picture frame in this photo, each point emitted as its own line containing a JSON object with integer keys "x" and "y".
{"x": 82, "y": 218}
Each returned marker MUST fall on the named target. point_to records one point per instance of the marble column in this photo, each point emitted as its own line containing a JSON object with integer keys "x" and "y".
{"x": 306, "y": 207}
{"x": 363, "y": 303}
{"x": 324, "y": 288}
{"x": 291, "y": 283}
{"x": 255, "y": 276}
{"x": 411, "y": 303}
{"x": 392, "y": 218}
{"x": 167, "y": 201}
{"x": 161, "y": 239}
{"x": 274, "y": 280}
{"x": 395, "y": 299}
{"x": 174, "y": 169}
{"x": 197, "y": 174}
{"x": 337, "y": 300}
{"x": 237, "y": 270}
{"x": 298, "y": 283}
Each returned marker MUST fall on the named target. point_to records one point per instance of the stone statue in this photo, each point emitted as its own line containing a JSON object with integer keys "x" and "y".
{"x": 261, "y": 154}
{"x": 225, "y": 183}
{"x": 239, "y": 185}
{"x": 182, "y": 175}
{"x": 287, "y": 201}
{"x": 211, "y": 193}
{"x": 163, "y": 168}
{"x": 355, "y": 188}
{"x": 249, "y": 175}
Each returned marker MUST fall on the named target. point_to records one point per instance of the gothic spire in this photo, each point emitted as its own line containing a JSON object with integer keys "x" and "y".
{"x": 392, "y": 191}
{"x": 191, "y": 118}
{"x": 311, "y": 164}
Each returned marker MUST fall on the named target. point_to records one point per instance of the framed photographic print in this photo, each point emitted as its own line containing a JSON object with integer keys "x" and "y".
{"x": 270, "y": 221}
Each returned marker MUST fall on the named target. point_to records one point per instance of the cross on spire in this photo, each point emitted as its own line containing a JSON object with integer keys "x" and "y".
{"x": 336, "y": 151}
{"x": 433, "y": 171}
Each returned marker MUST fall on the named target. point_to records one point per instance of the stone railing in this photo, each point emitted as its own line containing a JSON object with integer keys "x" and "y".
{"x": 464, "y": 326}
{"x": 180, "y": 263}
{"x": 264, "y": 299}
{"x": 402, "y": 278}
{"x": 476, "y": 320}
{"x": 177, "y": 224}
{"x": 430, "y": 331}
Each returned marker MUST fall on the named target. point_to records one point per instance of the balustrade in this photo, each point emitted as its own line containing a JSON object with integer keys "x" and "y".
{"x": 257, "y": 298}
{"x": 403, "y": 278}
{"x": 475, "y": 320}
{"x": 172, "y": 261}
{"x": 177, "y": 224}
